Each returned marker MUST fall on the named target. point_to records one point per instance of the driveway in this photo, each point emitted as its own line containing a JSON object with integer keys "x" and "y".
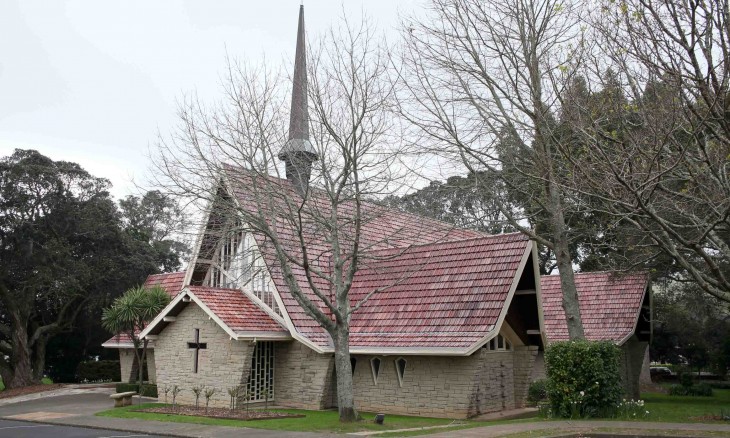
{"x": 76, "y": 407}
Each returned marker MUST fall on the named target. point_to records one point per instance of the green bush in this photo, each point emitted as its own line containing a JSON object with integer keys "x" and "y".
{"x": 718, "y": 385}
{"x": 584, "y": 378}
{"x": 148, "y": 389}
{"x": 701, "y": 390}
{"x": 537, "y": 392}
{"x": 98, "y": 371}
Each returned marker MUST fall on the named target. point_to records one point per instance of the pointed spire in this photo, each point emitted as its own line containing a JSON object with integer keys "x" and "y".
{"x": 298, "y": 153}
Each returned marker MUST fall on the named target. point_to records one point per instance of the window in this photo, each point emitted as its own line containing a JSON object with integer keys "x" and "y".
{"x": 375, "y": 367}
{"x": 260, "y": 385}
{"x": 353, "y": 362}
{"x": 400, "y": 370}
{"x": 498, "y": 343}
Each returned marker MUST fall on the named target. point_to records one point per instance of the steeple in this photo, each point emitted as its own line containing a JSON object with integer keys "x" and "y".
{"x": 298, "y": 153}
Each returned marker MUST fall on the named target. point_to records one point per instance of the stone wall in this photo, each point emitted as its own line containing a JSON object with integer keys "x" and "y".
{"x": 302, "y": 377}
{"x": 632, "y": 359}
{"x": 225, "y": 363}
{"x": 151, "y": 371}
{"x": 126, "y": 361}
{"x": 524, "y": 363}
{"x": 453, "y": 387}
{"x": 538, "y": 369}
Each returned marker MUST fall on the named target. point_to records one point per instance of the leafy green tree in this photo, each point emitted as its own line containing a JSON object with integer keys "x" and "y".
{"x": 61, "y": 248}
{"x": 131, "y": 312}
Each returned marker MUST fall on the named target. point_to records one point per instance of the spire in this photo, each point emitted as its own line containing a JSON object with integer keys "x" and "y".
{"x": 298, "y": 153}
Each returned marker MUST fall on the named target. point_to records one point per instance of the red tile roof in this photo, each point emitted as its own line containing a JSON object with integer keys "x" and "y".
{"x": 172, "y": 282}
{"x": 236, "y": 310}
{"x": 609, "y": 305}
{"x": 444, "y": 286}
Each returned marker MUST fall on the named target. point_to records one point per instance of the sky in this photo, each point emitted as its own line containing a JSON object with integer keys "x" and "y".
{"x": 94, "y": 81}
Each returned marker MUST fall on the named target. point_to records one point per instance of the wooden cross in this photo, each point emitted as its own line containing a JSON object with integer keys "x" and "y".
{"x": 197, "y": 345}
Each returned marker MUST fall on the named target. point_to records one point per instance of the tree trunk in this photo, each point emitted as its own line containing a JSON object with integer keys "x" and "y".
{"x": 343, "y": 368}
{"x": 21, "y": 358}
{"x": 39, "y": 358}
{"x": 564, "y": 261}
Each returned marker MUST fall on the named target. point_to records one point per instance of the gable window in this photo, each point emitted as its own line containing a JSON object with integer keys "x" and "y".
{"x": 237, "y": 264}
{"x": 498, "y": 343}
{"x": 375, "y": 367}
{"x": 400, "y": 370}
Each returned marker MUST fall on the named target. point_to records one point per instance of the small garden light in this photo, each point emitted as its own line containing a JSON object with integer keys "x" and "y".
{"x": 379, "y": 418}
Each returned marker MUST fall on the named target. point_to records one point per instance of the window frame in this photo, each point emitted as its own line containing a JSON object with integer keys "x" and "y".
{"x": 372, "y": 368}
{"x": 398, "y": 372}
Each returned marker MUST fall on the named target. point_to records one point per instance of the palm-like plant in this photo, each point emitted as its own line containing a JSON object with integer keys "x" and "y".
{"x": 130, "y": 313}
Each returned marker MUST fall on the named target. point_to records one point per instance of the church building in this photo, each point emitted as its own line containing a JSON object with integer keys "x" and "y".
{"x": 454, "y": 329}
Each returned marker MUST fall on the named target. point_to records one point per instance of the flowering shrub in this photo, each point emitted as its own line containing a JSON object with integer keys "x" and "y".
{"x": 631, "y": 410}
{"x": 584, "y": 378}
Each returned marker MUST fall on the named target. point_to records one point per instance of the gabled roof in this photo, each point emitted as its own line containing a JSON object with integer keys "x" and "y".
{"x": 171, "y": 282}
{"x": 231, "y": 309}
{"x": 610, "y": 303}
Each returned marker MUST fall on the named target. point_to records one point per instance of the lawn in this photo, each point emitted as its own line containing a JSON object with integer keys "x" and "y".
{"x": 314, "y": 421}
{"x": 663, "y": 407}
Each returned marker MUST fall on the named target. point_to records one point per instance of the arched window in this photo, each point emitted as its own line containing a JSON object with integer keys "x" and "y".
{"x": 400, "y": 369}
{"x": 375, "y": 367}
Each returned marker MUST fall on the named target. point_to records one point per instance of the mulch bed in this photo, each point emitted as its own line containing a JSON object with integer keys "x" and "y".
{"x": 7, "y": 393}
{"x": 238, "y": 414}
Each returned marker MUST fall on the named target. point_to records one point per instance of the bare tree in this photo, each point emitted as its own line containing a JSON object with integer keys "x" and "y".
{"x": 311, "y": 222}
{"x": 484, "y": 82}
{"x": 657, "y": 147}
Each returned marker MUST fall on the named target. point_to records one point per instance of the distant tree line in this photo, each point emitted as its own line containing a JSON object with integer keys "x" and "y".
{"x": 67, "y": 249}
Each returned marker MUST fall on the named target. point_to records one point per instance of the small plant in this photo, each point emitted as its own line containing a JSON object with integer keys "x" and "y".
{"x": 631, "y": 410}
{"x": 247, "y": 395}
{"x": 265, "y": 395}
{"x": 209, "y": 393}
{"x": 197, "y": 390}
{"x": 166, "y": 390}
{"x": 233, "y": 393}
{"x": 175, "y": 391}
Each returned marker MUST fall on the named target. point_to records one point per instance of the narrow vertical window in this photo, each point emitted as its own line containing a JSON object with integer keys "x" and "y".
{"x": 375, "y": 366}
{"x": 400, "y": 369}
{"x": 353, "y": 362}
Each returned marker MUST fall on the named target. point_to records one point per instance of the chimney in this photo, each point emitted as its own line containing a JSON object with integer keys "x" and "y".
{"x": 298, "y": 154}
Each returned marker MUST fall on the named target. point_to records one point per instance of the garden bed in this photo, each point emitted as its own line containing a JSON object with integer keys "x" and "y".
{"x": 237, "y": 414}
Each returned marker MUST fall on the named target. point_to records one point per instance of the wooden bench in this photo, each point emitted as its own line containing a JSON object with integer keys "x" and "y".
{"x": 122, "y": 398}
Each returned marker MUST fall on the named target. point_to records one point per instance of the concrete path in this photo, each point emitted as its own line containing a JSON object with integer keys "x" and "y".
{"x": 24, "y": 429}
{"x": 578, "y": 426}
{"x": 76, "y": 407}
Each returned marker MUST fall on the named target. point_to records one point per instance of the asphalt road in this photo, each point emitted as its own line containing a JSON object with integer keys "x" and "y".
{"x": 24, "y": 429}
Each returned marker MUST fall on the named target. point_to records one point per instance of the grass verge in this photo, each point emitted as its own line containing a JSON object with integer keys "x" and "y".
{"x": 314, "y": 421}
{"x": 677, "y": 409}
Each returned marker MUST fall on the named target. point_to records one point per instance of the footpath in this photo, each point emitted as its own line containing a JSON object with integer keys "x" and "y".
{"x": 75, "y": 405}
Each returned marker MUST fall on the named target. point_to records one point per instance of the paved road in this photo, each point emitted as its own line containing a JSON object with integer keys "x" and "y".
{"x": 24, "y": 429}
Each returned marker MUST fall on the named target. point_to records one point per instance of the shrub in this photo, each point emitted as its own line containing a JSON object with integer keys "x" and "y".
{"x": 537, "y": 392}
{"x": 584, "y": 378}
{"x": 148, "y": 390}
{"x": 98, "y": 371}
{"x": 701, "y": 390}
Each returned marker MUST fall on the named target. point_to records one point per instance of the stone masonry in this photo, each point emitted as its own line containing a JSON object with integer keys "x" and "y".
{"x": 225, "y": 363}
{"x": 452, "y": 387}
{"x": 127, "y": 360}
{"x": 632, "y": 359}
{"x": 301, "y": 376}
{"x": 524, "y": 363}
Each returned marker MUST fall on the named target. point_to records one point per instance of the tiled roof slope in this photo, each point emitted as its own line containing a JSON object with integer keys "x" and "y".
{"x": 609, "y": 305}
{"x": 172, "y": 283}
{"x": 236, "y": 310}
{"x": 389, "y": 231}
{"x": 447, "y": 294}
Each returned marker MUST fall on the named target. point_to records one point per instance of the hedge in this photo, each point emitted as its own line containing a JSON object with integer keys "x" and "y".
{"x": 148, "y": 390}
{"x": 584, "y": 378}
{"x": 98, "y": 371}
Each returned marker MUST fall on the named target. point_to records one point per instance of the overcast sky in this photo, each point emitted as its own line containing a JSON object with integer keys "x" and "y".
{"x": 93, "y": 81}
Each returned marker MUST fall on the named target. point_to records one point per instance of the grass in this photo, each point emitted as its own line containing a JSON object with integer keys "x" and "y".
{"x": 669, "y": 408}
{"x": 314, "y": 421}
{"x": 45, "y": 381}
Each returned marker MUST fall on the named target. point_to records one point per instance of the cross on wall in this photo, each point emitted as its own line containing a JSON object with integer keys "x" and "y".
{"x": 197, "y": 346}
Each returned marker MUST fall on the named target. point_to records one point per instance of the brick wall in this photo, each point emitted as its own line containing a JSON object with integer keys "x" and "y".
{"x": 225, "y": 363}
{"x": 302, "y": 377}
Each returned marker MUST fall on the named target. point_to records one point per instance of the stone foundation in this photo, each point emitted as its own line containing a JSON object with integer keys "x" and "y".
{"x": 224, "y": 364}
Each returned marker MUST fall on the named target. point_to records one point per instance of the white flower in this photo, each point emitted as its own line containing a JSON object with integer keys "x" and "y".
{"x": 582, "y": 393}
